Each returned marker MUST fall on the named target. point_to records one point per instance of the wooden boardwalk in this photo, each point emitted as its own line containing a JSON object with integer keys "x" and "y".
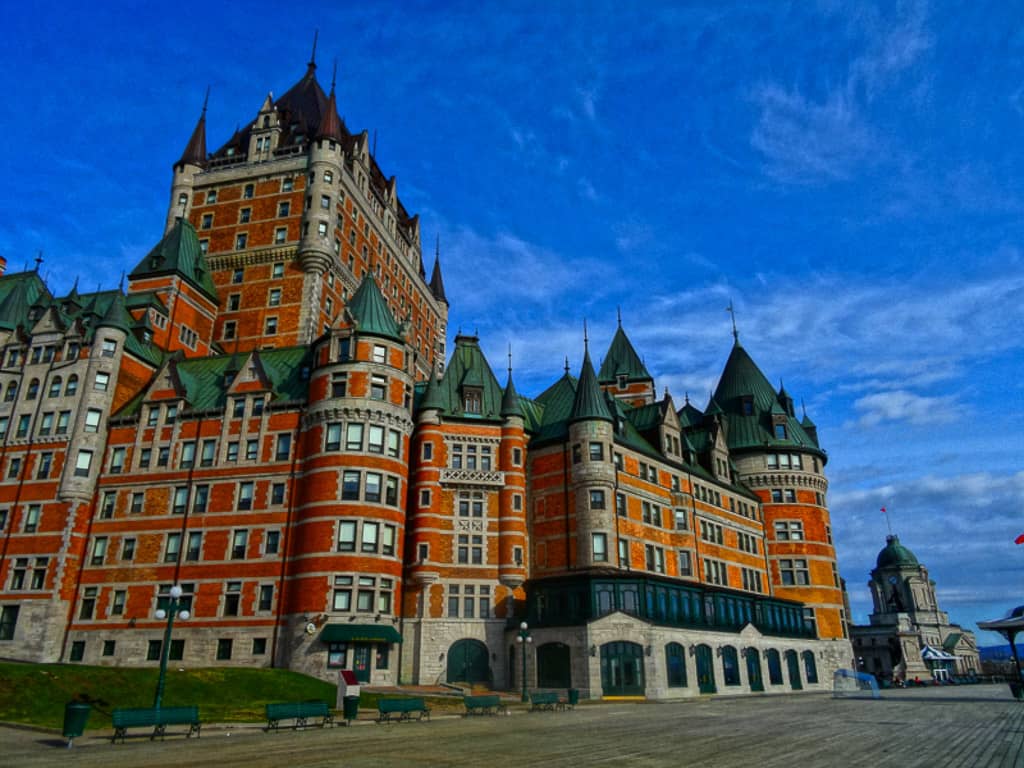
{"x": 972, "y": 726}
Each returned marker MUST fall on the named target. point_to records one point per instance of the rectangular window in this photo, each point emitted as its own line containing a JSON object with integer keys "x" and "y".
{"x": 245, "y": 491}
{"x": 272, "y": 543}
{"x": 107, "y": 505}
{"x": 209, "y": 453}
{"x": 45, "y": 462}
{"x": 14, "y": 467}
{"x": 239, "y": 542}
{"x": 332, "y": 437}
{"x": 789, "y": 530}
{"x": 596, "y": 498}
{"x": 244, "y": 215}
{"x": 277, "y": 492}
{"x": 202, "y": 494}
{"x": 391, "y": 491}
{"x": 99, "y": 550}
{"x": 172, "y": 548}
{"x": 84, "y": 463}
{"x": 24, "y": 422}
{"x": 368, "y": 541}
{"x": 163, "y": 456}
{"x": 685, "y": 563}
{"x": 373, "y": 485}
{"x": 8, "y": 621}
{"x": 92, "y": 419}
{"x": 378, "y": 387}
{"x": 284, "y": 447}
{"x": 265, "y": 601}
{"x": 232, "y": 454}
{"x": 600, "y": 543}
{"x": 794, "y": 572}
{"x": 232, "y": 598}
{"x": 224, "y": 649}
{"x": 339, "y": 384}
{"x": 350, "y": 485}
{"x": 347, "y": 536}
{"x": 354, "y": 437}
{"x": 270, "y": 328}
{"x": 596, "y": 451}
{"x": 101, "y": 381}
{"x": 274, "y": 299}
{"x": 194, "y": 547}
{"x": 380, "y": 353}
{"x": 128, "y": 550}
{"x": 188, "y": 455}
{"x": 394, "y": 443}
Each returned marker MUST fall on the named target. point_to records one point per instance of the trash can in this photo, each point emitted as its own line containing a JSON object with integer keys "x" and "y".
{"x": 1017, "y": 689}
{"x": 350, "y": 708}
{"x": 574, "y": 697}
{"x": 76, "y": 714}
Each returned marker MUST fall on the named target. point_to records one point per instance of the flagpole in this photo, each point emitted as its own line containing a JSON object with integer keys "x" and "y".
{"x": 888, "y": 524}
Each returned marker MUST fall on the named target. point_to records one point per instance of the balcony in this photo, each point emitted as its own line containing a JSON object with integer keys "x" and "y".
{"x": 451, "y": 476}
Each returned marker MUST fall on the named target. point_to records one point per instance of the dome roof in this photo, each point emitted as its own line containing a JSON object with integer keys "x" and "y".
{"x": 895, "y": 554}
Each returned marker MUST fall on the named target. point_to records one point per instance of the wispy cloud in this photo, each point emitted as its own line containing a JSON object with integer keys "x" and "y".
{"x": 808, "y": 138}
{"x": 900, "y": 405}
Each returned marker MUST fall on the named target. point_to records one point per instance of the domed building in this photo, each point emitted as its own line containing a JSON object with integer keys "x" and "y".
{"x": 908, "y": 635}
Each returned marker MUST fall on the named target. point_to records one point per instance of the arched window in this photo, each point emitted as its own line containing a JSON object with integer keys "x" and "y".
{"x": 55, "y": 386}
{"x": 11, "y": 393}
{"x": 774, "y": 666}
{"x": 675, "y": 663}
{"x": 730, "y": 665}
{"x": 72, "y": 386}
{"x": 33, "y": 389}
{"x": 810, "y": 667}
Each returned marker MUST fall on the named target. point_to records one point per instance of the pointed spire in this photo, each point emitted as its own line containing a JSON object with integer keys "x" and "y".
{"x": 370, "y": 310}
{"x": 330, "y": 125}
{"x": 117, "y": 315}
{"x": 510, "y": 398}
{"x": 312, "y": 55}
{"x": 436, "y": 281}
{"x": 195, "y": 150}
{"x": 732, "y": 313}
{"x": 589, "y": 403}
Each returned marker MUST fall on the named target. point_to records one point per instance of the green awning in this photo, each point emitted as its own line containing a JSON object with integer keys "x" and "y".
{"x": 363, "y": 633}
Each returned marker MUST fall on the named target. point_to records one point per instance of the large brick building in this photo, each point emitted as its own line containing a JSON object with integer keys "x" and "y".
{"x": 267, "y": 416}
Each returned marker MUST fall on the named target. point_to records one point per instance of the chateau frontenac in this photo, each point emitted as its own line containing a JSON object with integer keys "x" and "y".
{"x": 267, "y": 415}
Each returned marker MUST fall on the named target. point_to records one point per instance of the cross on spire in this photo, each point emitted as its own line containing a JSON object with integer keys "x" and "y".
{"x": 732, "y": 312}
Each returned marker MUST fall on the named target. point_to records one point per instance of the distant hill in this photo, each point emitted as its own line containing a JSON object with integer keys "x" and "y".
{"x": 1000, "y": 652}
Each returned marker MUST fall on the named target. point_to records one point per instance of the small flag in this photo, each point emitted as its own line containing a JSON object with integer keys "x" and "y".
{"x": 1019, "y": 539}
{"x": 883, "y": 510}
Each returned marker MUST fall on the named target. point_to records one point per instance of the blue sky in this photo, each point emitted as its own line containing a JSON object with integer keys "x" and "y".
{"x": 851, "y": 175}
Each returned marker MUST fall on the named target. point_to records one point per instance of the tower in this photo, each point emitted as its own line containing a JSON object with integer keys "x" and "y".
{"x": 191, "y": 162}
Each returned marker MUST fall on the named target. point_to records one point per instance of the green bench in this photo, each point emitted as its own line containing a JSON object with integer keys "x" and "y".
{"x": 301, "y": 712}
{"x": 545, "y": 701}
{"x": 389, "y": 710}
{"x": 482, "y": 705}
{"x": 157, "y": 719}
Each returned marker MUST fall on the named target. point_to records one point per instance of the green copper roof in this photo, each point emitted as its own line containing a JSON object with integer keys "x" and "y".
{"x": 622, "y": 359}
{"x": 178, "y": 253}
{"x": 18, "y": 292}
{"x": 117, "y": 315}
{"x": 895, "y": 554}
{"x": 468, "y": 372}
{"x": 371, "y": 312}
{"x": 432, "y": 399}
{"x": 751, "y": 425}
{"x": 589, "y": 404}
{"x": 510, "y": 399}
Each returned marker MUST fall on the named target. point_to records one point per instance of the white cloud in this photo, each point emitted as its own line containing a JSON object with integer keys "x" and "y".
{"x": 900, "y": 405}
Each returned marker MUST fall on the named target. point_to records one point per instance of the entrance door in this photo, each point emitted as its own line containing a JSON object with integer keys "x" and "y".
{"x": 361, "y": 661}
{"x": 468, "y": 663}
{"x": 793, "y": 664}
{"x": 553, "y": 667}
{"x": 754, "y": 670}
{"x": 622, "y": 669}
{"x": 705, "y": 670}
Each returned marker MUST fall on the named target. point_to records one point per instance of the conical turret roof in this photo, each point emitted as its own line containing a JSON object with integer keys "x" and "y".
{"x": 436, "y": 281}
{"x": 589, "y": 403}
{"x": 117, "y": 315}
{"x": 371, "y": 312}
{"x": 510, "y": 399}
{"x": 330, "y": 125}
{"x": 195, "y": 150}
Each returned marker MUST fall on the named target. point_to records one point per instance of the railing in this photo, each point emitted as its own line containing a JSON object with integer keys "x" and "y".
{"x": 472, "y": 476}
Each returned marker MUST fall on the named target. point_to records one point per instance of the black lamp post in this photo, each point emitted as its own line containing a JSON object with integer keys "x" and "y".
{"x": 172, "y": 610}
{"x": 523, "y": 638}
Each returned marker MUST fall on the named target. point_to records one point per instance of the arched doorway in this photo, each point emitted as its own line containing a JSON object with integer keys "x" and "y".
{"x": 754, "y": 670}
{"x": 793, "y": 665}
{"x": 468, "y": 662}
{"x": 730, "y": 665}
{"x": 675, "y": 665}
{"x": 553, "y": 667}
{"x": 705, "y": 670}
{"x": 622, "y": 669}
{"x": 774, "y": 667}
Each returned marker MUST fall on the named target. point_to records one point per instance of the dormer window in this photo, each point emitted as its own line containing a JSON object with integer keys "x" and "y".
{"x": 471, "y": 400}
{"x": 748, "y": 405}
{"x": 620, "y": 381}
{"x": 780, "y": 431}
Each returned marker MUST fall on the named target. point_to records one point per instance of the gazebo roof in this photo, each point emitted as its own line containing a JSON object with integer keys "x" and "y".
{"x": 1010, "y": 624}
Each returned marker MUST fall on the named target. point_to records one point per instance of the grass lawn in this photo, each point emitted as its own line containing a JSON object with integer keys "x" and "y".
{"x": 35, "y": 694}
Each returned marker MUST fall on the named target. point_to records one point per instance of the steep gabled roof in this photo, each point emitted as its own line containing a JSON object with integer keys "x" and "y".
{"x": 18, "y": 292}
{"x": 195, "y": 150}
{"x": 371, "y": 313}
{"x": 622, "y": 359}
{"x": 178, "y": 253}
{"x": 751, "y": 425}
{"x": 437, "y": 282}
{"x": 469, "y": 368}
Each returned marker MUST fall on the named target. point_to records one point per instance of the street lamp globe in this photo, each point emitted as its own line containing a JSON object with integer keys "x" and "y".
{"x": 176, "y": 591}
{"x": 524, "y": 626}
{"x": 161, "y": 613}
